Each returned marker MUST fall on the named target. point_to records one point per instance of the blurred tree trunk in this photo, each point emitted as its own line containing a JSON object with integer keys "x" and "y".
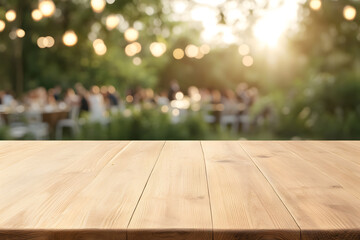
{"x": 18, "y": 51}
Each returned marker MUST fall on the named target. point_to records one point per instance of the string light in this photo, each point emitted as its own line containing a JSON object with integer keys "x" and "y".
{"x": 131, "y": 34}
{"x": 191, "y": 51}
{"x": 20, "y": 33}
{"x": 47, "y": 8}
{"x": 137, "y": 61}
{"x": 244, "y": 49}
{"x": 349, "y": 13}
{"x": 204, "y": 49}
{"x": 10, "y": 15}
{"x": 2, "y": 25}
{"x": 36, "y": 15}
{"x": 178, "y": 53}
{"x": 132, "y": 49}
{"x": 315, "y": 4}
{"x": 157, "y": 49}
{"x": 99, "y": 47}
{"x": 70, "y": 38}
{"x": 248, "y": 61}
{"x": 45, "y": 42}
{"x": 112, "y": 21}
{"x": 98, "y": 5}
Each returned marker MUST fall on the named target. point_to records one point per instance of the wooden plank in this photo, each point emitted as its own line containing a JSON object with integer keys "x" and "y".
{"x": 319, "y": 204}
{"x": 345, "y": 172}
{"x": 175, "y": 202}
{"x": 344, "y": 149}
{"x": 90, "y": 198}
{"x": 244, "y": 205}
{"x": 29, "y": 178}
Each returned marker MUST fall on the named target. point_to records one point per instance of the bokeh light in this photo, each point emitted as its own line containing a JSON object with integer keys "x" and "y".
{"x": 10, "y": 15}
{"x": 349, "y": 13}
{"x": 200, "y": 55}
{"x": 244, "y": 49}
{"x": 132, "y": 49}
{"x": 248, "y": 61}
{"x": 137, "y": 61}
{"x": 178, "y": 53}
{"x": 2, "y": 25}
{"x": 191, "y": 51}
{"x": 179, "y": 96}
{"x": 70, "y": 38}
{"x": 99, "y": 47}
{"x": 20, "y": 33}
{"x": 98, "y": 5}
{"x": 50, "y": 41}
{"x": 112, "y": 21}
{"x": 315, "y": 4}
{"x": 131, "y": 34}
{"x": 175, "y": 112}
{"x": 157, "y": 49}
{"x": 164, "y": 109}
{"x": 45, "y": 42}
{"x": 205, "y": 49}
{"x": 40, "y": 42}
{"x": 36, "y": 15}
{"x": 47, "y": 8}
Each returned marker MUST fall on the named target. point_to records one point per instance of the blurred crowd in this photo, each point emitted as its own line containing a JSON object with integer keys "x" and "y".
{"x": 228, "y": 107}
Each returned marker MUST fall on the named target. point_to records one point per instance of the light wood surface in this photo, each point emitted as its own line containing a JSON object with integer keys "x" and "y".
{"x": 206, "y": 190}
{"x": 320, "y": 205}
{"x": 239, "y": 205}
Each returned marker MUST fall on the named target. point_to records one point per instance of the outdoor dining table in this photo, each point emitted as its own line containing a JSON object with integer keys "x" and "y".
{"x": 196, "y": 190}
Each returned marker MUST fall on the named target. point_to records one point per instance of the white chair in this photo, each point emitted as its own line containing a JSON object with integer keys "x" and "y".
{"x": 17, "y": 127}
{"x": 38, "y": 128}
{"x": 229, "y": 116}
{"x": 71, "y": 122}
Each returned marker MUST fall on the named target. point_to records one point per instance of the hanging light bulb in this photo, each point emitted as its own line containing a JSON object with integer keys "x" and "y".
{"x": 99, "y": 47}
{"x": 36, "y": 15}
{"x": 157, "y": 49}
{"x": 315, "y": 4}
{"x": 112, "y": 21}
{"x": 131, "y": 34}
{"x": 98, "y": 5}
{"x": 349, "y": 13}
{"x": 10, "y": 15}
{"x": 20, "y": 33}
{"x": 47, "y": 8}
{"x": 2, "y": 25}
{"x": 70, "y": 38}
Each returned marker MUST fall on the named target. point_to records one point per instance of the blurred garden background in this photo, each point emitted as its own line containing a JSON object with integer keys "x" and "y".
{"x": 179, "y": 69}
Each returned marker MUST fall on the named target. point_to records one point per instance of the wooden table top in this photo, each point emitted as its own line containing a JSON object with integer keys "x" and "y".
{"x": 221, "y": 190}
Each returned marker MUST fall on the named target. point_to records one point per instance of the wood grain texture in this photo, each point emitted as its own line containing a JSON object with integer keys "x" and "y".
{"x": 343, "y": 149}
{"x": 341, "y": 169}
{"x": 84, "y": 189}
{"x": 320, "y": 205}
{"x": 189, "y": 190}
{"x": 243, "y": 203}
{"x": 175, "y": 203}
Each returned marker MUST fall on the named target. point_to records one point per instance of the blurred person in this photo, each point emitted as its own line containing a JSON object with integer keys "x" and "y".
{"x": 162, "y": 98}
{"x": 83, "y": 97}
{"x": 7, "y": 98}
{"x": 57, "y": 93}
{"x": 96, "y": 104}
{"x": 174, "y": 88}
{"x": 111, "y": 94}
{"x": 2, "y": 93}
{"x": 51, "y": 101}
{"x": 71, "y": 99}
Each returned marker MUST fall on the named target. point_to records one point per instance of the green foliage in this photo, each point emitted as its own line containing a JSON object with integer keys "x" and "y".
{"x": 326, "y": 108}
{"x": 151, "y": 124}
{"x": 4, "y": 134}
